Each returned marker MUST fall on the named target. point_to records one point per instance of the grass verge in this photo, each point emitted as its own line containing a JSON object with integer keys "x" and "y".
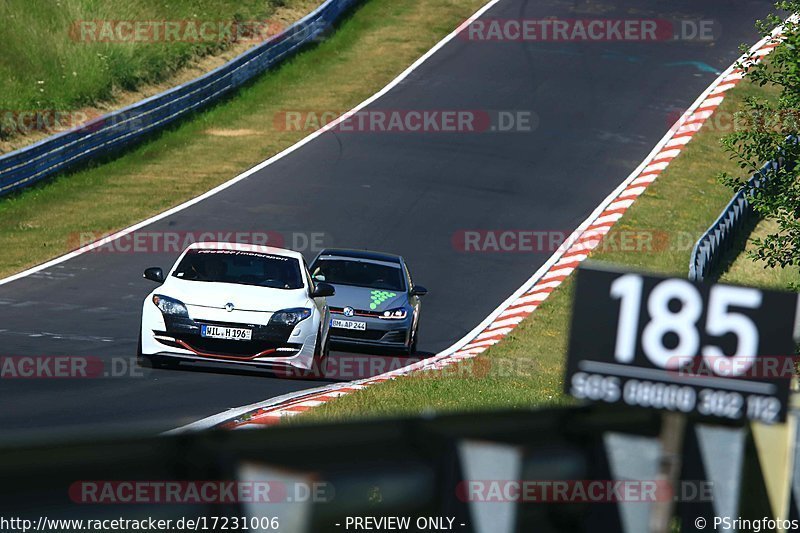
{"x": 55, "y": 54}
{"x": 370, "y": 48}
{"x": 744, "y": 271}
{"x": 525, "y": 370}
{"x": 67, "y": 61}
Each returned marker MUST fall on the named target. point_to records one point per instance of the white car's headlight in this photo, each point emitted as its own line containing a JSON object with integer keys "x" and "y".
{"x": 170, "y": 306}
{"x": 290, "y": 317}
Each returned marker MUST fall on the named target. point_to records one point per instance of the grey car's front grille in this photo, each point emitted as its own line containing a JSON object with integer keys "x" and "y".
{"x": 395, "y": 336}
{"x": 371, "y": 335}
{"x": 367, "y": 335}
{"x": 357, "y": 312}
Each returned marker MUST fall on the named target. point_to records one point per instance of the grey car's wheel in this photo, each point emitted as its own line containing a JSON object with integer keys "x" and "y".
{"x": 413, "y": 348}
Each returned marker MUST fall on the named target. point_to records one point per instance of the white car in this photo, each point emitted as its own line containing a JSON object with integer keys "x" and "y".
{"x": 223, "y": 302}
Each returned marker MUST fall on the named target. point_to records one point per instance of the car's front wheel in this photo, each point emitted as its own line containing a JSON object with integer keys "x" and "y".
{"x": 152, "y": 361}
{"x": 319, "y": 365}
{"x": 321, "y": 360}
{"x": 412, "y": 349}
{"x": 156, "y": 361}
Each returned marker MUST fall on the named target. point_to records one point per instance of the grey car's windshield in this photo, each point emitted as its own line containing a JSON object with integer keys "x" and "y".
{"x": 240, "y": 267}
{"x": 359, "y": 273}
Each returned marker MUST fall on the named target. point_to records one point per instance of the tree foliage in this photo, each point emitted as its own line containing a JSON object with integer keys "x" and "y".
{"x": 767, "y": 130}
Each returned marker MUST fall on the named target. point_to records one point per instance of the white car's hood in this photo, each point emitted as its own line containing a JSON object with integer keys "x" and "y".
{"x": 243, "y": 297}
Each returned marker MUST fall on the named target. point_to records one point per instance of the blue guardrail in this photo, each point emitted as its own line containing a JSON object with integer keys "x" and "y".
{"x": 721, "y": 235}
{"x": 132, "y": 124}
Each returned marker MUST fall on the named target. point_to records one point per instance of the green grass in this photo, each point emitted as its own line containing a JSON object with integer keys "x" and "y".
{"x": 525, "y": 370}
{"x": 742, "y": 270}
{"x": 46, "y": 64}
{"x": 371, "y": 48}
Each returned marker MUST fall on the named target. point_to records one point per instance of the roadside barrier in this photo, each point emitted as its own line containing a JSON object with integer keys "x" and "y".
{"x": 127, "y": 126}
{"x": 719, "y": 238}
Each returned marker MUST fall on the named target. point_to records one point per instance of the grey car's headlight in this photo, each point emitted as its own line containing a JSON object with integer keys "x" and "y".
{"x": 170, "y": 306}
{"x": 395, "y": 314}
{"x": 290, "y": 317}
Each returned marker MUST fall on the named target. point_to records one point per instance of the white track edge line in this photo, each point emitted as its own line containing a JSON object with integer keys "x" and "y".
{"x": 235, "y": 412}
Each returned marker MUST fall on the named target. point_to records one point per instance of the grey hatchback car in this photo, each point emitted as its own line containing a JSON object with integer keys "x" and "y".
{"x": 376, "y": 304}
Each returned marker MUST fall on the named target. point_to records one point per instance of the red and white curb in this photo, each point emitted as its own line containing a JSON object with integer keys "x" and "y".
{"x": 536, "y": 290}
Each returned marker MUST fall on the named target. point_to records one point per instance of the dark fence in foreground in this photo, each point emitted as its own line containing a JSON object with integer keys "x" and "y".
{"x": 132, "y": 124}
{"x": 719, "y": 238}
{"x": 463, "y": 470}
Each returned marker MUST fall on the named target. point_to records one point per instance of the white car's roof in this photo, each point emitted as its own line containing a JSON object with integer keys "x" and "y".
{"x": 245, "y": 248}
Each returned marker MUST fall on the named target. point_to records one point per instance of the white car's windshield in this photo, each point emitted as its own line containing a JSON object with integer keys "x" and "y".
{"x": 241, "y": 267}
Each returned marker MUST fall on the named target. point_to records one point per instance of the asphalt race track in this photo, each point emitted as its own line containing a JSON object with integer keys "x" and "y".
{"x": 600, "y": 107}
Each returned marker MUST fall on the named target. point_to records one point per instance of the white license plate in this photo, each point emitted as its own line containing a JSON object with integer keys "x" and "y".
{"x": 349, "y": 324}
{"x": 220, "y": 332}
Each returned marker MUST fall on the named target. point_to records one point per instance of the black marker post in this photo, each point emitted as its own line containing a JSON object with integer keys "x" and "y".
{"x": 693, "y": 351}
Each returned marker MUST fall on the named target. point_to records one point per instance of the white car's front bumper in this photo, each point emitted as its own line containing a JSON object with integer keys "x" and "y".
{"x": 180, "y": 338}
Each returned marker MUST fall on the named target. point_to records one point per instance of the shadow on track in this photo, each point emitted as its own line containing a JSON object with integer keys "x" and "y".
{"x": 342, "y": 367}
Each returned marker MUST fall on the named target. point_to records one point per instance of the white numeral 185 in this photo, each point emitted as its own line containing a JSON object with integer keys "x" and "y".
{"x": 683, "y": 323}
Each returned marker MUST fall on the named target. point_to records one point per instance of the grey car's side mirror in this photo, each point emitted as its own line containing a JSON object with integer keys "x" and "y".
{"x": 323, "y": 290}
{"x": 154, "y": 274}
{"x": 419, "y": 290}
